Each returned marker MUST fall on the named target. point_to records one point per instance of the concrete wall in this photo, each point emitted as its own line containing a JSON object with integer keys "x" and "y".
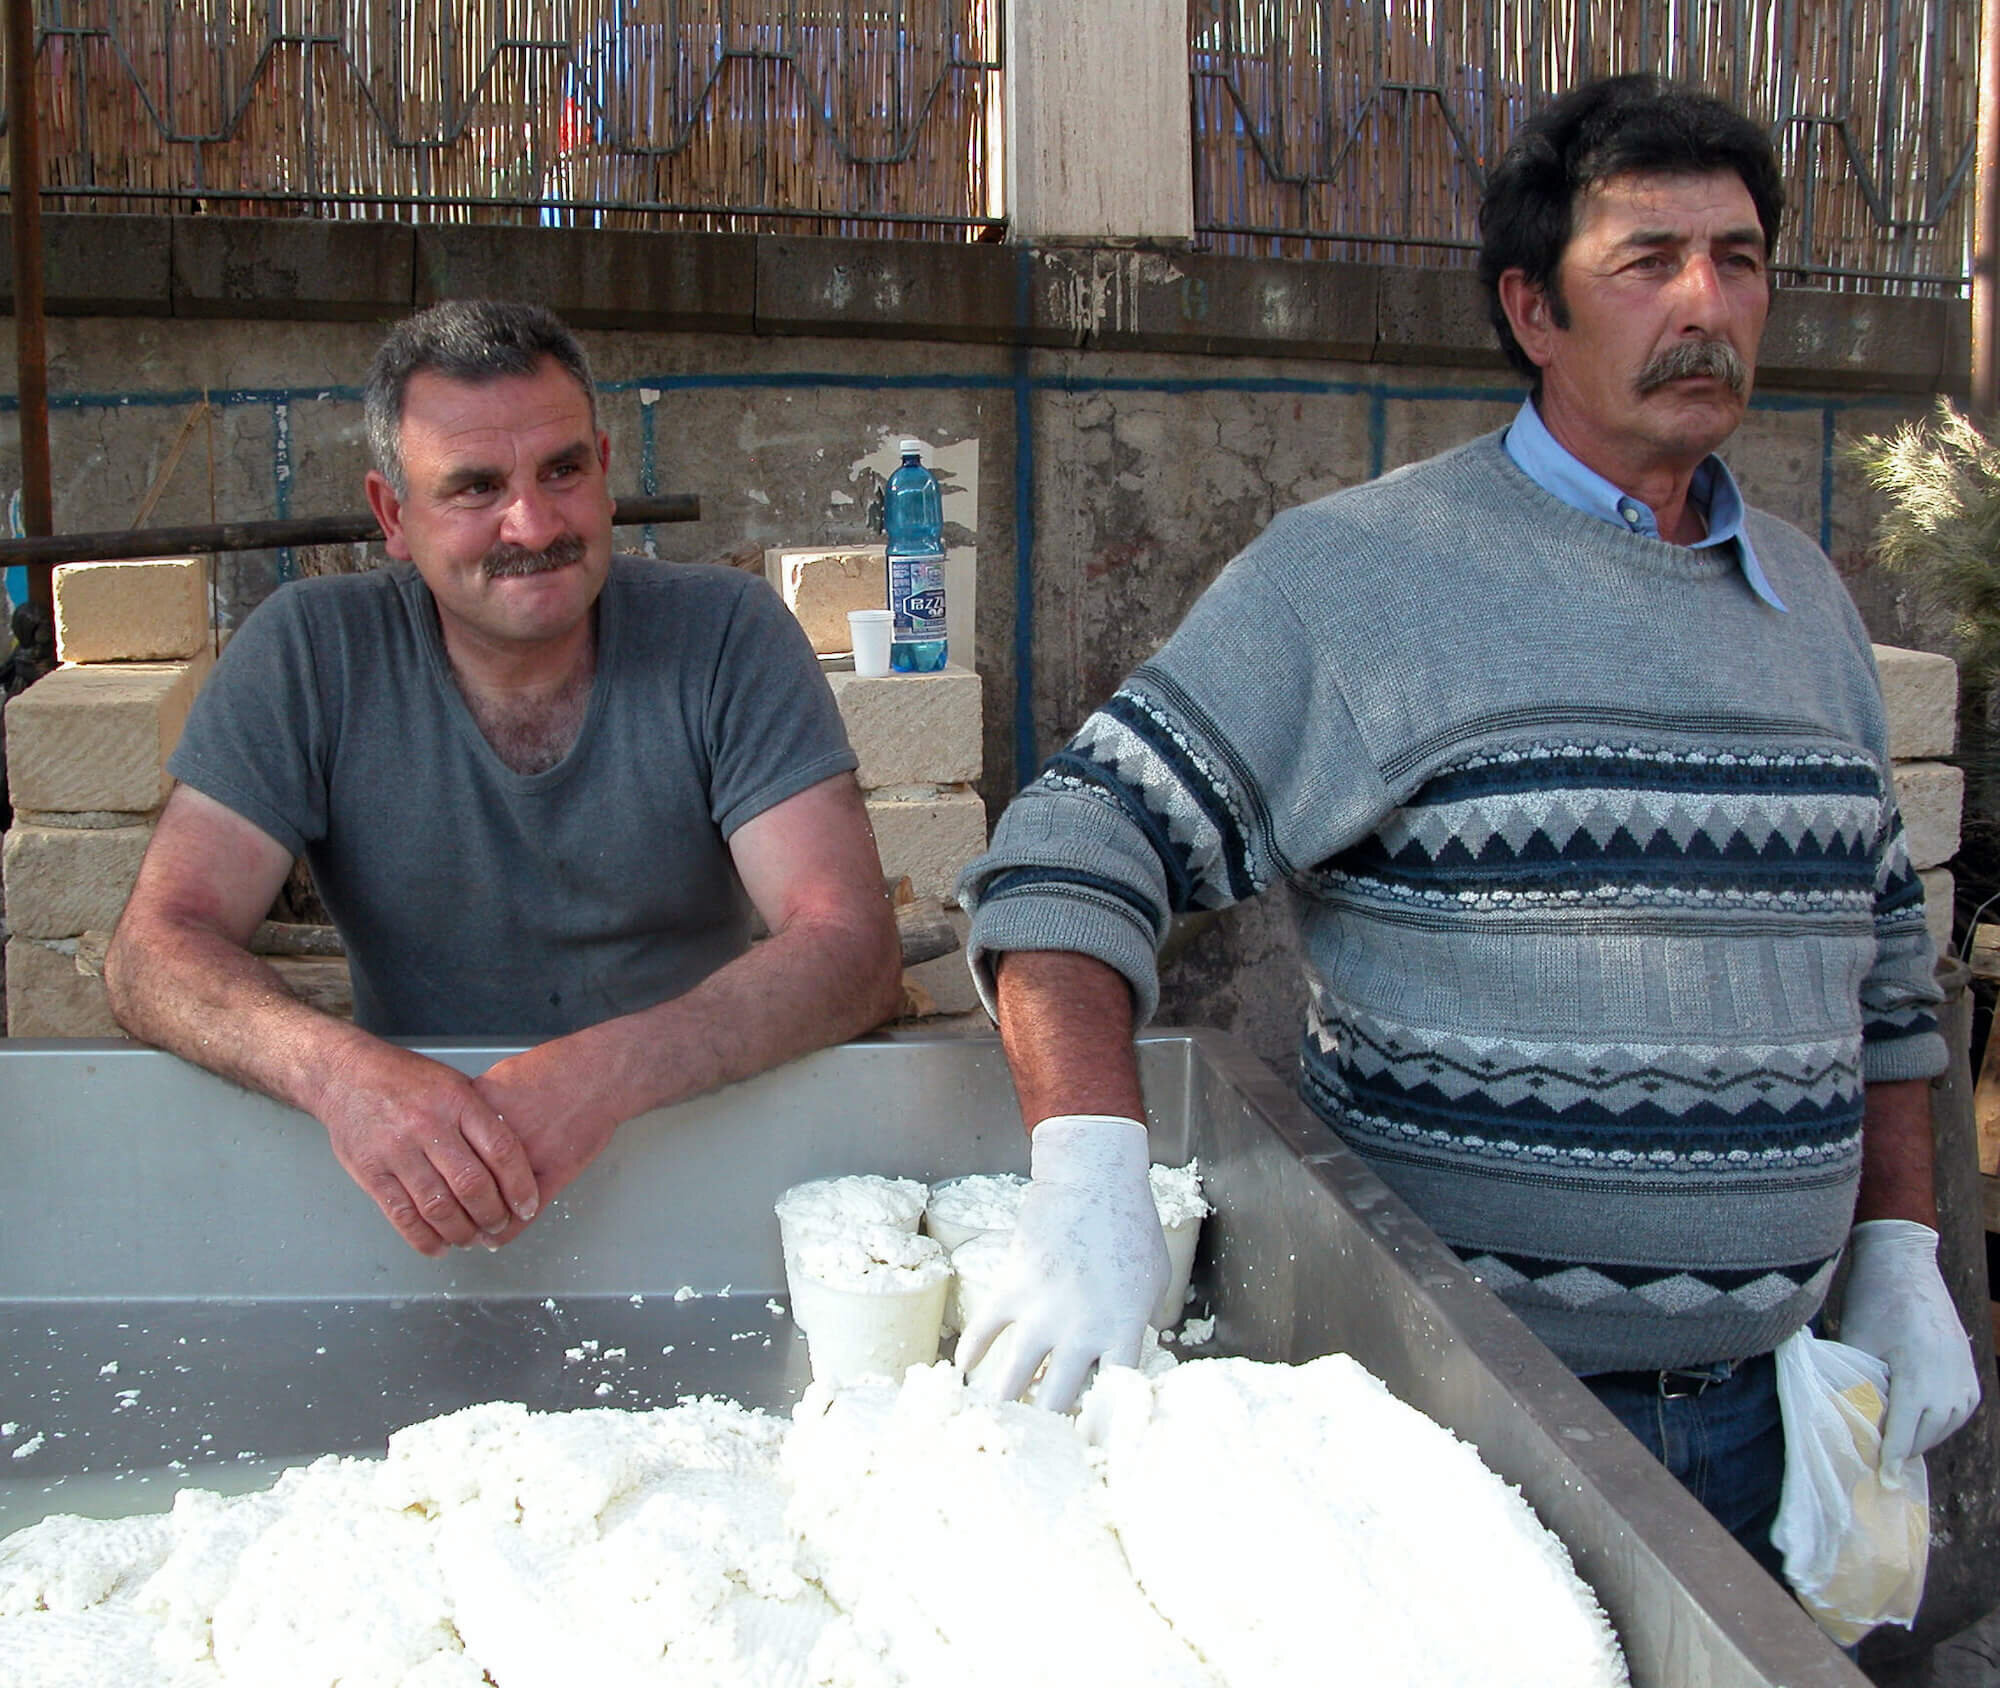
{"x": 1130, "y": 418}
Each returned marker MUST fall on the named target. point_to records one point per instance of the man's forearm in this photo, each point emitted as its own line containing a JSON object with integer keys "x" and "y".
{"x": 801, "y": 989}
{"x": 195, "y": 993}
{"x": 1896, "y": 1153}
{"x": 1066, "y": 1024}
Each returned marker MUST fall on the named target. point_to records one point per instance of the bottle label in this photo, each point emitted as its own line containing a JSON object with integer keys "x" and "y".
{"x": 916, "y": 595}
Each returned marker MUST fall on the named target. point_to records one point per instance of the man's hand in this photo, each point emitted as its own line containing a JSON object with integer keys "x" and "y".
{"x": 1899, "y": 1310}
{"x": 547, "y": 1097}
{"x": 1087, "y": 1263}
{"x": 426, "y": 1146}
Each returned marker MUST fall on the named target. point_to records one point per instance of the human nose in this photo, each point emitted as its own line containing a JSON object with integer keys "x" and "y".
{"x": 531, "y": 519}
{"x": 1699, "y": 300}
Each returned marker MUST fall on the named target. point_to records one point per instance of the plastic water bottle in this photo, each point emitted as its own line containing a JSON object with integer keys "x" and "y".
{"x": 913, "y": 520}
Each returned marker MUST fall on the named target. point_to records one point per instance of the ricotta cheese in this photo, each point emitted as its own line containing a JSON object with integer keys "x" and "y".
{"x": 885, "y": 1536}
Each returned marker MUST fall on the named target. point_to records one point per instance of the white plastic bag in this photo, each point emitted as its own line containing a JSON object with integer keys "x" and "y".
{"x": 1855, "y": 1547}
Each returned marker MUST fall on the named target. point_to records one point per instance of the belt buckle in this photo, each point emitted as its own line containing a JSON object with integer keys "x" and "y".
{"x": 1683, "y": 1385}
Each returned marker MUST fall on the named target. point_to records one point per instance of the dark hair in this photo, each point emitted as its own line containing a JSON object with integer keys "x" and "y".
{"x": 1619, "y": 126}
{"x": 464, "y": 340}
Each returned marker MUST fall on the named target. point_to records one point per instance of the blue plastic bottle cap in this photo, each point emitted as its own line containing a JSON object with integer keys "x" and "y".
{"x": 913, "y": 448}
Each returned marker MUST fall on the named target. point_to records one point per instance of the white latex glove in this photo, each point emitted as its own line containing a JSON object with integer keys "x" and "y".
{"x": 1898, "y": 1309}
{"x": 1087, "y": 1263}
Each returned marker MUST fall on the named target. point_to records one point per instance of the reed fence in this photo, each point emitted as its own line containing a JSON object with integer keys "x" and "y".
{"x": 1363, "y": 129}
{"x": 850, "y": 116}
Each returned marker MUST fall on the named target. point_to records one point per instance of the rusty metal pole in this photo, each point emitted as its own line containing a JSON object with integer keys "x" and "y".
{"x": 1986, "y": 219}
{"x": 31, "y": 350}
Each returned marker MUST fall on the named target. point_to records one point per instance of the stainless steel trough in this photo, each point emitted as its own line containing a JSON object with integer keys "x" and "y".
{"x": 191, "y": 1292}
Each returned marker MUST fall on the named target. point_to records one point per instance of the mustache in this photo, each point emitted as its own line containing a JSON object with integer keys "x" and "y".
{"x": 1688, "y": 359}
{"x": 508, "y": 562}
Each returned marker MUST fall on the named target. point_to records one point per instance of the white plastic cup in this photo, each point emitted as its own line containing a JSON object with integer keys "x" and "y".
{"x": 1181, "y": 1205}
{"x": 875, "y": 1300}
{"x": 870, "y": 630}
{"x": 960, "y": 1209}
{"x": 978, "y": 1268}
{"x": 1181, "y": 1240}
{"x": 840, "y": 1206}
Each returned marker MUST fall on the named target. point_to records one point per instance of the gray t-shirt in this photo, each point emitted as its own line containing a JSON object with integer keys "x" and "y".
{"x": 476, "y": 901}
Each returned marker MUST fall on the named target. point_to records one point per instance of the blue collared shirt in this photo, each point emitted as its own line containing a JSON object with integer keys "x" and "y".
{"x": 1538, "y": 455}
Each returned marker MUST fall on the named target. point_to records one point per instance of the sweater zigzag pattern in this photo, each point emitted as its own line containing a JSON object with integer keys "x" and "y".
{"x": 1600, "y": 961}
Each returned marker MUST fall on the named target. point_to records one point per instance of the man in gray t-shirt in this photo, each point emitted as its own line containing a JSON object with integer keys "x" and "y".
{"x": 542, "y": 789}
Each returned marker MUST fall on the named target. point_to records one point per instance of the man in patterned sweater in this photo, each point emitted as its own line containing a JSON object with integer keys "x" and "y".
{"x": 1574, "y": 771}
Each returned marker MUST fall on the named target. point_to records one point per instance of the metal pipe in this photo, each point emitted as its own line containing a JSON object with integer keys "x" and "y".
{"x": 43, "y": 554}
{"x": 1986, "y": 222}
{"x": 31, "y": 352}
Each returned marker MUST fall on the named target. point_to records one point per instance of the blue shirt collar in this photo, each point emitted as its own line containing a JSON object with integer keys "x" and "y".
{"x": 1538, "y": 455}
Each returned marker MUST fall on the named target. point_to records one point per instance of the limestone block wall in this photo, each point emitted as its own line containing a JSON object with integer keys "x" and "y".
{"x": 87, "y": 748}
{"x": 918, "y": 740}
{"x": 1920, "y": 693}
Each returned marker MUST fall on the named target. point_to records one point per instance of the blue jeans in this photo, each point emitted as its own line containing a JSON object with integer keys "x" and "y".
{"x": 1718, "y": 1429}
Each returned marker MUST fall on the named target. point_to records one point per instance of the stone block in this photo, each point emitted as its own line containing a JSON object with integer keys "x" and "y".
{"x": 100, "y": 264}
{"x": 821, "y": 586}
{"x": 98, "y": 736}
{"x": 292, "y": 268}
{"x": 928, "y": 835}
{"x": 74, "y": 818}
{"x": 1096, "y": 121}
{"x": 906, "y": 289}
{"x": 47, "y": 996}
{"x": 150, "y": 611}
{"x": 1192, "y": 302}
{"x": 1939, "y": 889}
{"x": 1434, "y": 316}
{"x": 912, "y": 729}
{"x": 63, "y": 881}
{"x": 1932, "y": 797}
{"x": 1920, "y": 693}
{"x": 1819, "y": 339}
{"x": 601, "y": 278}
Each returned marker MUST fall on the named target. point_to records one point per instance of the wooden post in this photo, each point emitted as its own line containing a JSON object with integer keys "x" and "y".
{"x": 31, "y": 352}
{"x": 1986, "y": 219}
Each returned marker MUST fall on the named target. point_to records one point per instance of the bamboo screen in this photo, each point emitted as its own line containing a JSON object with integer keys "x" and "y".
{"x": 853, "y": 116}
{"x": 1362, "y": 128}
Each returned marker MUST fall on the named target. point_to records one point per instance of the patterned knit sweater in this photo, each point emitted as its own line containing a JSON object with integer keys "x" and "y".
{"x": 1603, "y": 893}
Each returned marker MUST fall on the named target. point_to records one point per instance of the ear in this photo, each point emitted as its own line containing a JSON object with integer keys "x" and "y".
{"x": 1529, "y": 315}
{"x": 603, "y": 450}
{"x": 388, "y": 510}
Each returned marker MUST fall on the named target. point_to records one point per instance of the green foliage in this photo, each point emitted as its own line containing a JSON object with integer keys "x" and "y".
{"x": 1941, "y": 529}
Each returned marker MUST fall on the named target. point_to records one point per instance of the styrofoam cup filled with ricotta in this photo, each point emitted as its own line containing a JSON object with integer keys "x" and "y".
{"x": 870, "y": 1300}
{"x": 842, "y": 1206}
{"x": 1182, "y": 1207}
{"x": 960, "y": 1209}
{"x": 978, "y": 1266}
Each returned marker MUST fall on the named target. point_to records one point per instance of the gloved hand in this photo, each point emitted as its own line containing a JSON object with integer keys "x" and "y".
{"x": 1087, "y": 1263}
{"x": 1898, "y": 1309}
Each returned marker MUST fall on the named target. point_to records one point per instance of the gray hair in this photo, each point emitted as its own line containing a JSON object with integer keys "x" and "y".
{"x": 470, "y": 340}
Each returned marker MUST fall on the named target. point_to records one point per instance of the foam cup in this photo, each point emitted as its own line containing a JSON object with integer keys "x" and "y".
{"x": 870, "y": 630}
{"x": 1177, "y": 1195}
{"x": 840, "y": 1205}
{"x": 960, "y": 1209}
{"x": 871, "y": 1302}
